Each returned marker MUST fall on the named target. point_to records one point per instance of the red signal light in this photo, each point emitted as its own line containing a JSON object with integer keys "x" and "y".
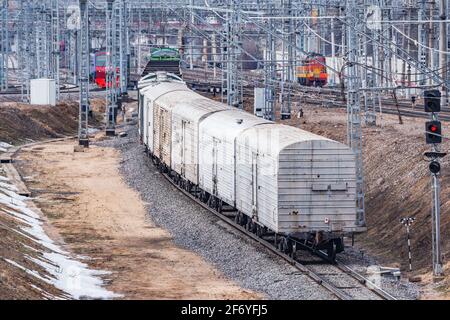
{"x": 433, "y": 132}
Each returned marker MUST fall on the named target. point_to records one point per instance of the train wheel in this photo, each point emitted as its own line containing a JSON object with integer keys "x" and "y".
{"x": 293, "y": 249}
{"x": 284, "y": 245}
{"x": 236, "y": 218}
{"x": 259, "y": 231}
{"x": 280, "y": 245}
{"x": 331, "y": 250}
{"x": 243, "y": 220}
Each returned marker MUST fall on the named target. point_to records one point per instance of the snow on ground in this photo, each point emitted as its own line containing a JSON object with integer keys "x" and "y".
{"x": 5, "y": 145}
{"x": 65, "y": 272}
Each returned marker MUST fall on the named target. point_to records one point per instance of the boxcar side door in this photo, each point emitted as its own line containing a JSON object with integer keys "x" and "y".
{"x": 215, "y": 166}
{"x": 254, "y": 184}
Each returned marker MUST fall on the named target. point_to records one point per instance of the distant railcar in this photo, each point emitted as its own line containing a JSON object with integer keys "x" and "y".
{"x": 163, "y": 59}
{"x": 100, "y": 69}
{"x": 312, "y": 71}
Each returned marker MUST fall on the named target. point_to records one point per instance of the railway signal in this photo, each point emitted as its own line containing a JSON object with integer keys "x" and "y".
{"x": 434, "y": 167}
{"x": 432, "y": 100}
{"x": 433, "y": 135}
{"x": 407, "y": 222}
{"x": 433, "y": 130}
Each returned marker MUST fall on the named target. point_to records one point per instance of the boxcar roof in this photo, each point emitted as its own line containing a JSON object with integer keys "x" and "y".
{"x": 281, "y": 137}
{"x": 197, "y": 108}
{"x": 229, "y": 124}
{"x": 158, "y": 89}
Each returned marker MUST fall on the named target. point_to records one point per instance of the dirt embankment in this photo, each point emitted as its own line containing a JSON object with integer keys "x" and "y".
{"x": 17, "y": 247}
{"x": 397, "y": 184}
{"x": 99, "y": 216}
{"x": 20, "y": 121}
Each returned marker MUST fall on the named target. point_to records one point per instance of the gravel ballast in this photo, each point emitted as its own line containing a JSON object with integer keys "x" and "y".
{"x": 194, "y": 228}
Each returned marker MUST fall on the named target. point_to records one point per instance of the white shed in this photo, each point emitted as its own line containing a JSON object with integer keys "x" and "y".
{"x": 43, "y": 92}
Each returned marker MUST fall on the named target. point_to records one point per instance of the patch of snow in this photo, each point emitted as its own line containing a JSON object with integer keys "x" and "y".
{"x": 34, "y": 273}
{"x": 93, "y": 130}
{"x": 7, "y": 186}
{"x": 45, "y": 293}
{"x": 5, "y": 145}
{"x": 67, "y": 273}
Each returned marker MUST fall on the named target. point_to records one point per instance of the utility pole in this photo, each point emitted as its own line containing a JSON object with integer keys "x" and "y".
{"x": 123, "y": 47}
{"x": 4, "y": 46}
{"x": 443, "y": 50}
{"x": 431, "y": 38}
{"x": 233, "y": 55}
{"x": 288, "y": 66}
{"x": 139, "y": 52}
{"x": 191, "y": 33}
{"x": 83, "y": 69}
{"x": 354, "y": 133}
{"x": 110, "y": 79}
{"x": 21, "y": 49}
{"x": 270, "y": 72}
{"x": 421, "y": 35}
{"x": 55, "y": 45}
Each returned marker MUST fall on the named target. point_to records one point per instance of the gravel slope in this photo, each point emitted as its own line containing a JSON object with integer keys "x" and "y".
{"x": 196, "y": 229}
{"x": 237, "y": 257}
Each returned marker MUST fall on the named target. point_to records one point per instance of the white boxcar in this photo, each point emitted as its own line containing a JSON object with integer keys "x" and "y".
{"x": 186, "y": 118}
{"x": 151, "y": 125}
{"x": 291, "y": 180}
{"x": 218, "y": 133}
{"x": 162, "y": 115}
{"x": 144, "y": 124}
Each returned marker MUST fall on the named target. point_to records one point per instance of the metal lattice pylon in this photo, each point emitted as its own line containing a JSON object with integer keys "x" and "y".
{"x": 288, "y": 59}
{"x": 42, "y": 49}
{"x": 354, "y": 133}
{"x": 55, "y": 53}
{"x": 4, "y": 36}
{"x": 270, "y": 66}
{"x": 83, "y": 134}
{"x": 110, "y": 73}
{"x": 123, "y": 48}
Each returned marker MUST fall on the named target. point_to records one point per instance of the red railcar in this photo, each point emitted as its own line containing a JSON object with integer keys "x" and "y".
{"x": 100, "y": 70}
{"x": 312, "y": 71}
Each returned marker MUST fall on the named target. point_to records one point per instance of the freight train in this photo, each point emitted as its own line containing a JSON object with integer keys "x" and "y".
{"x": 312, "y": 71}
{"x": 279, "y": 179}
{"x": 163, "y": 59}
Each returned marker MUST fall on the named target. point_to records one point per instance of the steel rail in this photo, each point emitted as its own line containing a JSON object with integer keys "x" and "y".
{"x": 339, "y": 293}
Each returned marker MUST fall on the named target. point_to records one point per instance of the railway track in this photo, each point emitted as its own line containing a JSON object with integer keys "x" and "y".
{"x": 339, "y": 279}
{"x": 328, "y": 97}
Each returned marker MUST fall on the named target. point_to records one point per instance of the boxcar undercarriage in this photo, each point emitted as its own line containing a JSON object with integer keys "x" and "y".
{"x": 328, "y": 244}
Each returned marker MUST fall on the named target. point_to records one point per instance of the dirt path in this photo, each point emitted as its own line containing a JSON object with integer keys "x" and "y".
{"x": 97, "y": 215}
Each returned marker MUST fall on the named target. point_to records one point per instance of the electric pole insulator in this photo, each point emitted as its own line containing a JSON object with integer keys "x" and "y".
{"x": 432, "y": 99}
{"x": 433, "y": 132}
